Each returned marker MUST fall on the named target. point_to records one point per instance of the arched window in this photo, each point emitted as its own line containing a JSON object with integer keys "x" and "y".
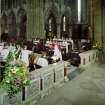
{"x": 22, "y": 21}
{"x": 64, "y": 27}
{"x": 64, "y": 23}
{"x": 12, "y": 25}
{"x": 51, "y": 26}
{"x": 3, "y": 23}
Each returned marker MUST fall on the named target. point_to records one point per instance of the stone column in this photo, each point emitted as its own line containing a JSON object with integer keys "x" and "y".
{"x": 104, "y": 19}
{"x": 58, "y": 27}
{"x": 58, "y": 30}
{"x": 84, "y": 11}
{"x": 30, "y": 18}
{"x": 97, "y": 20}
{"x": 90, "y": 18}
{"x": 35, "y": 19}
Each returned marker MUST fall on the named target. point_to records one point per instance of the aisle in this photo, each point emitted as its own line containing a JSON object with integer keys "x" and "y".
{"x": 88, "y": 88}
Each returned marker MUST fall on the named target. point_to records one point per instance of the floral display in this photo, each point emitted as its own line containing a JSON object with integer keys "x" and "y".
{"x": 15, "y": 75}
{"x": 97, "y": 45}
{"x": 15, "y": 78}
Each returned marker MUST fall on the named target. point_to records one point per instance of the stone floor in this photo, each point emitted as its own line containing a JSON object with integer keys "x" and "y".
{"x": 88, "y": 88}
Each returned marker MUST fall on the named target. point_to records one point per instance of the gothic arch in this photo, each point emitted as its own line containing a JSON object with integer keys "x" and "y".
{"x": 52, "y": 9}
{"x": 12, "y": 24}
{"x": 67, "y": 12}
{"x": 3, "y": 23}
{"x": 66, "y": 26}
{"x": 21, "y": 21}
{"x": 52, "y": 13}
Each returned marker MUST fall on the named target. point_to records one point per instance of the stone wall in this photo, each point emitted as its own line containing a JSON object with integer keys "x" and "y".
{"x": 13, "y": 21}
{"x": 103, "y": 21}
{"x": 35, "y": 19}
{"x": 88, "y": 57}
{"x": 37, "y": 12}
{"x": 42, "y": 82}
{"x": 96, "y": 19}
{"x": 84, "y": 12}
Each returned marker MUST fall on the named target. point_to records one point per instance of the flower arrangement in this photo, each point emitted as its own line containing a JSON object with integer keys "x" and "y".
{"x": 13, "y": 55}
{"x": 15, "y": 75}
{"x": 15, "y": 78}
{"x": 97, "y": 45}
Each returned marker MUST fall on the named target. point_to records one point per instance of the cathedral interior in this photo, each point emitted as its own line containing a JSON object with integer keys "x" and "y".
{"x": 62, "y": 43}
{"x": 29, "y": 19}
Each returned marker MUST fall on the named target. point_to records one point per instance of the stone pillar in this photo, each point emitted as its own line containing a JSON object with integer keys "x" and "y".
{"x": 103, "y": 12}
{"x": 58, "y": 30}
{"x": 35, "y": 19}
{"x": 84, "y": 11}
{"x": 97, "y": 20}
{"x": 58, "y": 27}
{"x": 30, "y": 18}
{"x": 90, "y": 18}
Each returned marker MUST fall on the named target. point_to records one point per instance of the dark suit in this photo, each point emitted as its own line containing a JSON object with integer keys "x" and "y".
{"x": 4, "y": 37}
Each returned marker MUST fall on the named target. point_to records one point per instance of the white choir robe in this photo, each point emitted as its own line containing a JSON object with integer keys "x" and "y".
{"x": 4, "y": 53}
{"x": 57, "y": 52}
{"x": 25, "y": 56}
{"x": 66, "y": 44}
{"x": 72, "y": 43}
{"x": 1, "y": 47}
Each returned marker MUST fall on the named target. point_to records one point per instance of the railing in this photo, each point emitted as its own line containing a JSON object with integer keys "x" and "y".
{"x": 88, "y": 57}
{"x": 42, "y": 82}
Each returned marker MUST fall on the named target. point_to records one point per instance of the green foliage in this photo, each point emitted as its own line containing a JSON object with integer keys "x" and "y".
{"x": 15, "y": 75}
{"x": 97, "y": 45}
{"x": 15, "y": 78}
{"x": 13, "y": 55}
{"x": 9, "y": 58}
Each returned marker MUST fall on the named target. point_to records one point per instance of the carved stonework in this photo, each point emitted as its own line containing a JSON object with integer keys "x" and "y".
{"x": 6, "y": 100}
{"x": 33, "y": 89}
{"x": 48, "y": 79}
{"x": 59, "y": 73}
{"x": 21, "y": 21}
{"x": 12, "y": 25}
{"x": 52, "y": 11}
{"x": 3, "y": 23}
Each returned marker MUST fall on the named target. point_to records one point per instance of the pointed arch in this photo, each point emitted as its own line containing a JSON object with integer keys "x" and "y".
{"x": 52, "y": 9}
{"x": 22, "y": 21}
{"x": 51, "y": 20}
{"x": 12, "y": 24}
{"x": 66, "y": 22}
{"x": 3, "y": 23}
